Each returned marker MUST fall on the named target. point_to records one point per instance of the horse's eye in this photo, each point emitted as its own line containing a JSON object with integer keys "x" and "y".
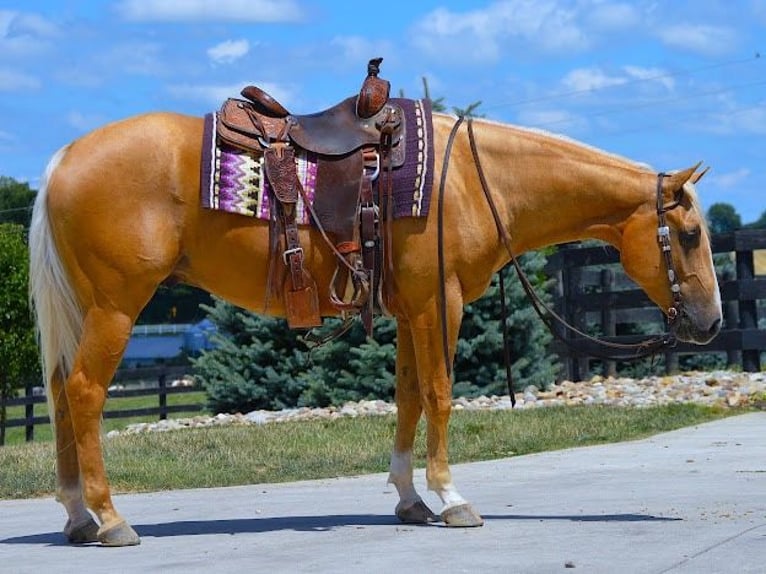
{"x": 689, "y": 238}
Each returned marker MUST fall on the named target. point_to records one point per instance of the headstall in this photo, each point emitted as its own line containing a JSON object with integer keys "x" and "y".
{"x": 620, "y": 351}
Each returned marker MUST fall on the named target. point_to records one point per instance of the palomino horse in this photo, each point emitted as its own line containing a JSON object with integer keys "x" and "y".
{"x": 119, "y": 213}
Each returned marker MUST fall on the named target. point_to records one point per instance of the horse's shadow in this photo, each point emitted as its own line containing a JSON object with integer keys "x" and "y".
{"x": 316, "y": 524}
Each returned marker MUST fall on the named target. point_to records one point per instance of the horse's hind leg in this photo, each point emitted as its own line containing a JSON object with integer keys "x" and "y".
{"x": 411, "y": 508}
{"x": 105, "y": 336}
{"x": 80, "y": 528}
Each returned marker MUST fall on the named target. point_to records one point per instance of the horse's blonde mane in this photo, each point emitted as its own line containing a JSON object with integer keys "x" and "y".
{"x": 689, "y": 187}
{"x": 562, "y": 138}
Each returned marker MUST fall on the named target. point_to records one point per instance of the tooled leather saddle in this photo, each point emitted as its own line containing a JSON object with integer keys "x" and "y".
{"x": 356, "y": 142}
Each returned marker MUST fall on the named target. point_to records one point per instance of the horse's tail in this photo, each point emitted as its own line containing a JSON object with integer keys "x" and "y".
{"x": 59, "y": 318}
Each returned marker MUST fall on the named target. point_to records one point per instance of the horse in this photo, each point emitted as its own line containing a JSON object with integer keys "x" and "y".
{"x": 118, "y": 213}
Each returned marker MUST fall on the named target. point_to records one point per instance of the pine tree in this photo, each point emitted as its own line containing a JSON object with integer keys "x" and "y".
{"x": 479, "y": 364}
{"x": 353, "y": 367}
{"x": 259, "y": 363}
{"x": 256, "y": 362}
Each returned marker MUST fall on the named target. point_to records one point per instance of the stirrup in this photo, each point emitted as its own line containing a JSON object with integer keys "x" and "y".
{"x": 361, "y": 284}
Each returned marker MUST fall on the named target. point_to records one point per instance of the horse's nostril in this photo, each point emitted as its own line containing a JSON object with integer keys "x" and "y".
{"x": 715, "y": 327}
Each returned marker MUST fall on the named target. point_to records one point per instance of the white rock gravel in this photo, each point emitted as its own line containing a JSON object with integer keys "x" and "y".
{"x": 718, "y": 388}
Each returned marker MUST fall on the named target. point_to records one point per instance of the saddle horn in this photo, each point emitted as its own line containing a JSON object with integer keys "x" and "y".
{"x": 374, "y": 93}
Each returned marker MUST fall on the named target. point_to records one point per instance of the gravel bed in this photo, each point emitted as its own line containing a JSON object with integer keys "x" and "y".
{"x": 721, "y": 388}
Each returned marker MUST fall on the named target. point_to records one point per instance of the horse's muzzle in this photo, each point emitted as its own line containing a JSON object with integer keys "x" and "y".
{"x": 697, "y": 330}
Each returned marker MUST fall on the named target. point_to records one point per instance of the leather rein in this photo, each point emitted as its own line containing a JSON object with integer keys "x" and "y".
{"x": 616, "y": 351}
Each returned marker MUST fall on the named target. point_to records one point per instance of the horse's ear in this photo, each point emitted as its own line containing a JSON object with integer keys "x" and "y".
{"x": 679, "y": 178}
{"x": 699, "y": 175}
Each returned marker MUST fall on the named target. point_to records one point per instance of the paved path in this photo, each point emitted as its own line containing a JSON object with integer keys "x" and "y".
{"x": 689, "y": 501}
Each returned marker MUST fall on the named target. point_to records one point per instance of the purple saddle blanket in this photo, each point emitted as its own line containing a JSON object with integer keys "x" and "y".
{"x": 234, "y": 180}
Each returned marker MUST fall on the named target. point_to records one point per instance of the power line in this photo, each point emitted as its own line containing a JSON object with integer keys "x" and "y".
{"x": 678, "y": 121}
{"x": 562, "y": 95}
{"x": 660, "y": 101}
{"x": 15, "y": 209}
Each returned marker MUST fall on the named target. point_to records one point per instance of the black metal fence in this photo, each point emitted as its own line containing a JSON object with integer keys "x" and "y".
{"x": 158, "y": 377}
{"x": 593, "y": 294}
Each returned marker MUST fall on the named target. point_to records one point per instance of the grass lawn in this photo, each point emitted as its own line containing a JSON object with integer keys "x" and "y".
{"x": 292, "y": 451}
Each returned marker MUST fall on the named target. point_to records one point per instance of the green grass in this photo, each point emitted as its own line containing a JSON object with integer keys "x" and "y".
{"x": 329, "y": 448}
{"x": 16, "y": 435}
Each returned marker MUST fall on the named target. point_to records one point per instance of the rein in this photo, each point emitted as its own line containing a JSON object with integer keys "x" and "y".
{"x": 619, "y": 351}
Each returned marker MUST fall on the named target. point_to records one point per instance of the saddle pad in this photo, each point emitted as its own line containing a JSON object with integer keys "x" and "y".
{"x": 234, "y": 180}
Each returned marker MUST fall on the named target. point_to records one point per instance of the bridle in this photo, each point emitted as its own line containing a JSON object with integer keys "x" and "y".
{"x": 618, "y": 351}
{"x": 663, "y": 236}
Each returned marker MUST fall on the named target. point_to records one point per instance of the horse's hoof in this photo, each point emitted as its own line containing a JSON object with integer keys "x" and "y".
{"x": 83, "y": 533}
{"x": 462, "y": 516}
{"x": 121, "y": 534}
{"x": 415, "y": 513}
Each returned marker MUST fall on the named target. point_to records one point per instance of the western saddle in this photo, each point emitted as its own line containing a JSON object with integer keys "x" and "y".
{"x": 355, "y": 142}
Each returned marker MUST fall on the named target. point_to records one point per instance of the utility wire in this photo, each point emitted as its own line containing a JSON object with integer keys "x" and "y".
{"x": 15, "y": 209}
{"x": 662, "y": 101}
{"x": 562, "y": 95}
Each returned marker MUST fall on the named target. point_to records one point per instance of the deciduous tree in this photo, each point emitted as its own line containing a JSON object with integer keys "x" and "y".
{"x": 18, "y": 350}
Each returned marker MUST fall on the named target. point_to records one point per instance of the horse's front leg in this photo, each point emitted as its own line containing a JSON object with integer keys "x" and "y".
{"x": 436, "y": 398}
{"x": 411, "y": 509}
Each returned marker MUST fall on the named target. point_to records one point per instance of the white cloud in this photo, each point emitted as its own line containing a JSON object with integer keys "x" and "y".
{"x": 594, "y": 79}
{"x": 23, "y": 33}
{"x": 209, "y": 10}
{"x": 589, "y": 79}
{"x": 553, "y": 120}
{"x": 6, "y": 137}
{"x": 480, "y": 35}
{"x": 651, "y": 75}
{"x": 215, "y": 94}
{"x": 731, "y": 179}
{"x": 700, "y": 38}
{"x": 737, "y": 120}
{"x": 12, "y": 81}
{"x": 228, "y": 51}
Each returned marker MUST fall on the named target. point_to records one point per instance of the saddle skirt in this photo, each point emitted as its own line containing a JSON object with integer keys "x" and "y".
{"x": 233, "y": 178}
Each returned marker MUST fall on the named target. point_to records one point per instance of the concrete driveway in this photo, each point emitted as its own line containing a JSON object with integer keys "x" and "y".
{"x": 688, "y": 501}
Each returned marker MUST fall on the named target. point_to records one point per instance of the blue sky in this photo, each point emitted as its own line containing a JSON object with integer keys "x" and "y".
{"x": 668, "y": 82}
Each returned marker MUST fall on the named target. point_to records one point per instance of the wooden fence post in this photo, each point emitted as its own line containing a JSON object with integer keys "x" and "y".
{"x": 608, "y": 316}
{"x": 560, "y": 307}
{"x": 578, "y": 366}
{"x": 29, "y": 414}
{"x": 748, "y": 313}
{"x": 731, "y": 321}
{"x": 3, "y": 420}
{"x": 163, "y": 396}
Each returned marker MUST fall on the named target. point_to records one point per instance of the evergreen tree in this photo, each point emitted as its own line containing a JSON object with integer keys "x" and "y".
{"x": 256, "y": 364}
{"x": 479, "y": 364}
{"x": 353, "y": 367}
{"x": 259, "y": 363}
